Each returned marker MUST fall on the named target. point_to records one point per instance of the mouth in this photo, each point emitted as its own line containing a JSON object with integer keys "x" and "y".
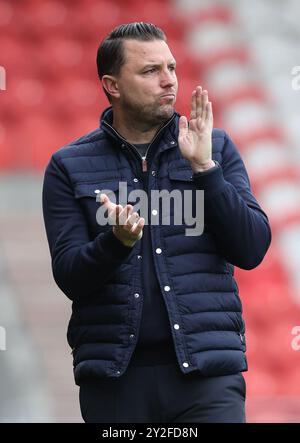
{"x": 168, "y": 96}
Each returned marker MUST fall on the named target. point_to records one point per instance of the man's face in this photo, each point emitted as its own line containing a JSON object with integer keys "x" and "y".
{"x": 147, "y": 81}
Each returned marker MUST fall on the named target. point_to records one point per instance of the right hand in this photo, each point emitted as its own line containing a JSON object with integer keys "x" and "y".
{"x": 128, "y": 225}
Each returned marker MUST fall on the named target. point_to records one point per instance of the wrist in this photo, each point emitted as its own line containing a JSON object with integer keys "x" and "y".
{"x": 203, "y": 167}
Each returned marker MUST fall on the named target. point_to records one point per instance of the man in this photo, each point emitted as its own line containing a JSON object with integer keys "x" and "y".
{"x": 156, "y": 330}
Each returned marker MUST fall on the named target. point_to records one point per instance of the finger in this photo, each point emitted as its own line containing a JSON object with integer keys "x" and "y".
{"x": 123, "y": 216}
{"x": 194, "y": 124}
{"x": 113, "y": 214}
{"x": 193, "y": 105}
{"x": 198, "y": 101}
{"x": 131, "y": 220}
{"x": 200, "y": 124}
{"x": 104, "y": 199}
{"x": 209, "y": 112}
{"x": 207, "y": 120}
{"x": 127, "y": 211}
{"x": 204, "y": 103}
{"x": 137, "y": 228}
{"x": 183, "y": 126}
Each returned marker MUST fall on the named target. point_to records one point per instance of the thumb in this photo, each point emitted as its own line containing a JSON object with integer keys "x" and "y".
{"x": 183, "y": 126}
{"x": 106, "y": 201}
{"x": 103, "y": 198}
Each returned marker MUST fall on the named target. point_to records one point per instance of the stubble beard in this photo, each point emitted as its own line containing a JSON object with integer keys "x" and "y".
{"x": 149, "y": 115}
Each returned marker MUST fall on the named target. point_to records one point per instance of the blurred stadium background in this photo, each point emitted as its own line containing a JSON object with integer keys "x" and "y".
{"x": 243, "y": 53}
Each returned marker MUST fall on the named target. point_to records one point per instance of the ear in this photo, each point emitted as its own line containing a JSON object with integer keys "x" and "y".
{"x": 110, "y": 85}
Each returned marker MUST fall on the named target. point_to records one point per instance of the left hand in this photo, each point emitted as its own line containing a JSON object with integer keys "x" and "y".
{"x": 195, "y": 136}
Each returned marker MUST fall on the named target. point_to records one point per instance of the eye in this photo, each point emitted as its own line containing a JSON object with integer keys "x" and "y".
{"x": 150, "y": 71}
{"x": 172, "y": 68}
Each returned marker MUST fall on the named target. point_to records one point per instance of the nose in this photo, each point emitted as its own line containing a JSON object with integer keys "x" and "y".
{"x": 168, "y": 78}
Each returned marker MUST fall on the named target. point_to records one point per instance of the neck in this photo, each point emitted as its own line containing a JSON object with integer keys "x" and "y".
{"x": 132, "y": 130}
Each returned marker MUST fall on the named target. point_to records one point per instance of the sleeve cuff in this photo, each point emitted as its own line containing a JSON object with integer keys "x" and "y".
{"x": 211, "y": 181}
{"x": 113, "y": 247}
{"x": 208, "y": 171}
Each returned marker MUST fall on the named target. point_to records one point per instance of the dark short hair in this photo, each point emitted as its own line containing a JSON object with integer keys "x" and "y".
{"x": 110, "y": 54}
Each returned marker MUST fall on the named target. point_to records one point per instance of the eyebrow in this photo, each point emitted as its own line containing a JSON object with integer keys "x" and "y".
{"x": 173, "y": 62}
